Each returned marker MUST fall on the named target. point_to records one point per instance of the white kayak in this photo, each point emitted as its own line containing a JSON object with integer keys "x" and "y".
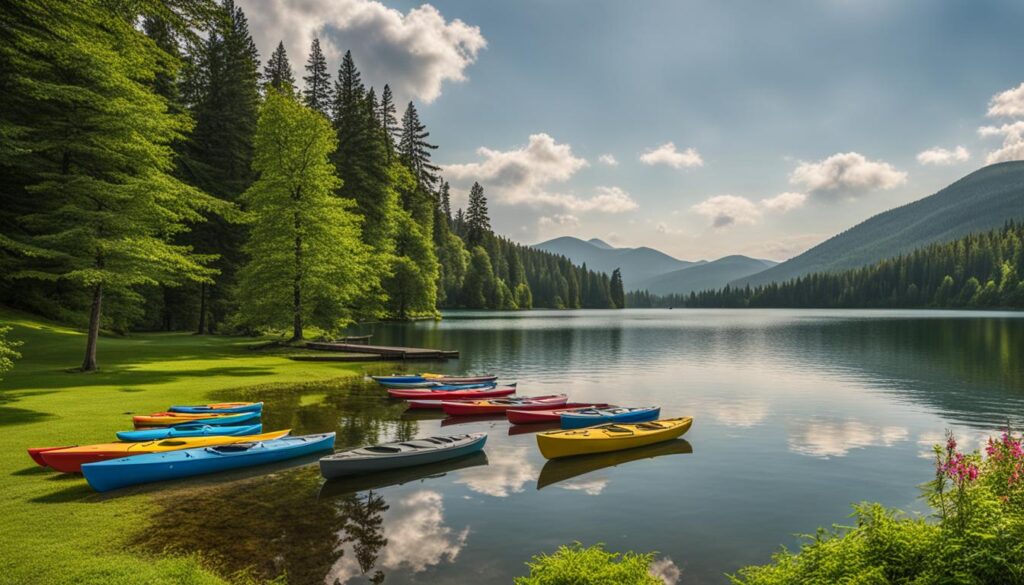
{"x": 400, "y": 454}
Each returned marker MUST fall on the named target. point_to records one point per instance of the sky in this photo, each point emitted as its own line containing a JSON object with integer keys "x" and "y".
{"x": 700, "y": 128}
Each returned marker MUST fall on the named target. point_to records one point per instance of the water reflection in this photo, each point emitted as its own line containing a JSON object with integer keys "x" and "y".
{"x": 836, "y": 438}
{"x": 376, "y": 481}
{"x": 744, "y": 413}
{"x": 508, "y": 471}
{"x": 562, "y": 470}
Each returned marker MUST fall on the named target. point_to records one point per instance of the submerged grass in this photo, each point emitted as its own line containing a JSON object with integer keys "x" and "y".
{"x": 55, "y": 528}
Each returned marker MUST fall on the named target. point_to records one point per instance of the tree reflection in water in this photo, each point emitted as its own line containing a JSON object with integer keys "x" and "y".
{"x": 364, "y": 529}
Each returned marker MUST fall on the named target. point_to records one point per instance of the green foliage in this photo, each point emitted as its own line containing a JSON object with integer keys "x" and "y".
{"x": 987, "y": 264}
{"x": 306, "y": 264}
{"x": 616, "y": 292}
{"x": 478, "y": 223}
{"x": 318, "y": 93}
{"x": 7, "y": 352}
{"x": 278, "y": 72}
{"x": 414, "y": 150}
{"x": 576, "y": 565}
{"x": 478, "y": 287}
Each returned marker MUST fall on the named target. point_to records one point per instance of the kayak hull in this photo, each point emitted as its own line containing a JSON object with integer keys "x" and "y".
{"x": 499, "y": 406}
{"x": 118, "y": 473}
{"x": 432, "y": 394}
{"x": 222, "y": 408}
{"x": 431, "y": 379}
{"x": 170, "y": 419}
{"x": 526, "y": 417}
{"x": 189, "y": 430}
{"x": 578, "y": 420}
{"x": 36, "y": 453}
{"x": 349, "y": 463}
{"x": 610, "y": 437}
{"x": 72, "y": 459}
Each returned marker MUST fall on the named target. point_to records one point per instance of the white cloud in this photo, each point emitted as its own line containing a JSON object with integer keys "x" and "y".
{"x": 943, "y": 156}
{"x": 1009, "y": 103}
{"x": 507, "y": 472}
{"x": 522, "y": 176}
{"x": 665, "y": 570}
{"x": 415, "y": 52}
{"x": 784, "y": 202}
{"x": 666, "y": 154}
{"x": 847, "y": 173}
{"x": 608, "y": 159}
{"x": 591, "y": 488}
{"x": 726, "y": 210}
{"x": 1013, "y": 141}
{"x": 835, "y": 439}
{"x": 559, "y": 219}
{"x": 743, "y": 413}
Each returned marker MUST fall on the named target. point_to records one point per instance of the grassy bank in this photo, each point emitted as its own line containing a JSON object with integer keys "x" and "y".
{"x": 56, "y": 530}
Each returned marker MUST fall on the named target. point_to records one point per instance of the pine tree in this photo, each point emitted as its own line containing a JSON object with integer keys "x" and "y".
{"x": 478, "y": 224}
{"x": 306, "y": 265}
{"x": 278, "y": 72}
{"x": 7, "y": 351}
{"x": 446, "y": 201}
{"x": 348, "y": 94}
{"x": 618, "y": 294}
{"x": 388, "y": 115}
{"x": 318, "y": 93}
{"x": 414, "y": 150}
{"x": 97, "y": 149}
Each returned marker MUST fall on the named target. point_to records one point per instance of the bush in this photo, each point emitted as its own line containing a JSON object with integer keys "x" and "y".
{"x": 575, "y": 565}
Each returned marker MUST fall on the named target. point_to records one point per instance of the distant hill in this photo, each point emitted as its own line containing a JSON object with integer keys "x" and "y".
{"x": 637, "y": 264}
{"x": 710, "y": 275}
{"x": 983, "y": 200}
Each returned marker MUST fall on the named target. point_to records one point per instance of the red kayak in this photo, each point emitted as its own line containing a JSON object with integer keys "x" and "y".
{"x": 471, "y": 394}
{"x": 518, "y": 416}
{"x": 500, "y": 405}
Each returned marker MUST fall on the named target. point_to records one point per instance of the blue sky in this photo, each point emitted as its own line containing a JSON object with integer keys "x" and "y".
{"x": 804, "y": 118}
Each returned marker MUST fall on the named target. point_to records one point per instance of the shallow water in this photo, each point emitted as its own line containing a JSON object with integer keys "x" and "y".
{"x": 798, "y": 414}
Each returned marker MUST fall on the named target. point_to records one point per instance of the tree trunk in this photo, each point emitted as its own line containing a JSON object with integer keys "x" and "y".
{"x": 202, "y": 309}
{"x": 297, "y": 284}
{"x": 89, "y": 364}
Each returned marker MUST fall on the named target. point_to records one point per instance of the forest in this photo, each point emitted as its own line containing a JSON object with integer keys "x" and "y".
{"x": 158, "y": 175}
{"x": 981, "y": 270}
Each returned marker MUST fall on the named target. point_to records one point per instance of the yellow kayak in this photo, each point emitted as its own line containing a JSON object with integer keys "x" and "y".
{"x": 71, "y": 459}
{"x": 610, "y": 437}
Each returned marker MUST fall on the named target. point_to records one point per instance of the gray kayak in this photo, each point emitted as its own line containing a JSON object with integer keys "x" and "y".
{"x": 400, "y": 454}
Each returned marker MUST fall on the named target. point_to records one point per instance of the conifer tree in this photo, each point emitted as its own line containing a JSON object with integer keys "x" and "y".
{"x": 445, "y": 201}
{"x": 7, "y": 351}
{"x": 318, "y": 93}
{"x": 104, "y": 173}
{"x": 478, "y": 223}
{"x": 307, "y": 265}
{"x": 414, "y": 150}
{"x": 278, "y": 72}
{"x": 618, "y": 294}
{"x": 388, "y": 115}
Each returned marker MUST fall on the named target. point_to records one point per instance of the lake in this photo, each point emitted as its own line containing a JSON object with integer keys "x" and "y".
{"x": 798, "y": 414}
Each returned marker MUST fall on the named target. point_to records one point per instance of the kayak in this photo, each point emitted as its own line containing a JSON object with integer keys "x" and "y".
{"x": 435, "y": 394}
{"x": 117, "y": 473}
{"x": 500, "y": 405}
{"x": 432, "y": 378}
{"x": 189, "y": 430}
{"x": 559, "y": 470}
{"x": 428, "y": 385}
{"x": 401, "y": 454}
{"x": 374, "y": 481}
{"x": 525, "y": 417}
{"x": 594, "y": 416}
{"x": 36, "y": 453}
{"x": 170, "y": 419}
{"x": 610, "y": 437}
{"x": 71, "y": 459}
{"x": 220, "y": 408}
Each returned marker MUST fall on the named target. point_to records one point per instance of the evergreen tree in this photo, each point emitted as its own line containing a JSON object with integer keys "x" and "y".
{"x": 414, "y": 150}
{"x": 7, "y": 351}
{"x": 388, "y": 116}
{"x": 479, "y": 282}
{"x": 348, "y": 95}
{"x": 478, "y": 223}
{"x": 318, "y": 93}
{"x": 95, "y": 152}
{"x": 445, "y": 201}
{"x": 306, "y": 262}
{"x": 618, "y": 294}
{"x": 278, "y": 72}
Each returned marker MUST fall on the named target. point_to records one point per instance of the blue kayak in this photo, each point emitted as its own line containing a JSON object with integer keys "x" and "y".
{"x": 189, "y": 430}
{"x": 117, "y": 473}
{"x": 445, "y": 387}
{"x": 225, "y": 408}
{"x": 586, "y": 417}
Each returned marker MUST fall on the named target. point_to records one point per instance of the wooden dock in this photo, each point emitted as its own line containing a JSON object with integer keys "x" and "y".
{"x": 385, "y": 352}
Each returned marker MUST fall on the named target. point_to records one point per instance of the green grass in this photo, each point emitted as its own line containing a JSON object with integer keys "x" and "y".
{"x": 55, "y": 529}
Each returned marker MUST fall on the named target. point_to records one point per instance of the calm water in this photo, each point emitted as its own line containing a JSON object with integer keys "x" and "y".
{"x": 798, "y": 414}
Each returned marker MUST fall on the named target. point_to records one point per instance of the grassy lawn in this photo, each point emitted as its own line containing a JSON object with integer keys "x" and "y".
{"x": 55, "y": 529}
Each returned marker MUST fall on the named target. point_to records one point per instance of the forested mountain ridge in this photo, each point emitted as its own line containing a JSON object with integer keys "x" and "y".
{"x": 980, "y": 270}
{"x": 983, "y": 200}
{"x": 709, "y": 275}
{"x": 636, "y": 264}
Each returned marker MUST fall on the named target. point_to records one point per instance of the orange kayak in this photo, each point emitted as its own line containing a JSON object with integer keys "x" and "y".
{"x": 170, "y": 419}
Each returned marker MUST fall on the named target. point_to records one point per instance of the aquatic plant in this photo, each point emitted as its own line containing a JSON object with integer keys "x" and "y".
{"x": 592, "y": 565}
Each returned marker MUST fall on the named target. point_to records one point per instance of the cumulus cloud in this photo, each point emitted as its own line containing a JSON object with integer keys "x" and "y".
{"x": 943, "y": 156}
{"x": 666, "y": 154}
{"x": 784, "y": 202}
{"x": 415, "y": 52}
{"x": 848, "y": 173}
{"x": 1009, "y": 103}
{"x": 727, "y": 210}
{"x": 1013, "y": 141}
{"x": 523, "y": 176}
{"x": 564, "y": 220}
{"x": 608, "y": 160}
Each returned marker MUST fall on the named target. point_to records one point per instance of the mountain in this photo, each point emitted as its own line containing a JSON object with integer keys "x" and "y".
{"x": 710, "y": 275}
{"x": 983, "y": 200}
{"x": 637, "y": 264}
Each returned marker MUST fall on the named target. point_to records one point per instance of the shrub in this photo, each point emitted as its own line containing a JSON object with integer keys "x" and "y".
{"x": 576, "y": 565}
